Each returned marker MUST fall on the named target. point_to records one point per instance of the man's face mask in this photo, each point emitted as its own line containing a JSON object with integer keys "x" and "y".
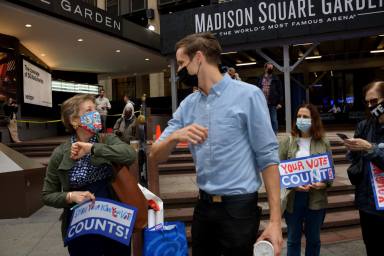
{"x": 377, "y": 111}
{"x": 186, "y": 78}
{"x": 270, "y": 71}
{"x": 91, "y": 122}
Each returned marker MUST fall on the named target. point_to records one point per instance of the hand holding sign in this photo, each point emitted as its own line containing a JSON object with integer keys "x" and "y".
{"x": 318, "y": 185}
{"x": 81, "y": 196}
{"x": 307, "y": 172}
{"x": 303, "y": 188}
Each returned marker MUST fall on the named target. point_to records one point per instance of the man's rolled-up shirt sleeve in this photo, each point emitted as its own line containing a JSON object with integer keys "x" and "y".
{"x": 262, "y": 138}
{"x": 174, "y": 124}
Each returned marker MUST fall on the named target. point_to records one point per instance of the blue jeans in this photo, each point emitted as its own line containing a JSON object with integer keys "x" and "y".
{"x": 273, "y": 115}
{"x": 312, "y": 221}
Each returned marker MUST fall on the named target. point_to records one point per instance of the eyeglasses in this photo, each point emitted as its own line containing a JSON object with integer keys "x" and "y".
{"x": 372, "y": 102}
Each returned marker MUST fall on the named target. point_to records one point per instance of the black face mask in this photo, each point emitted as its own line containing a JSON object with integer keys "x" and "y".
{"x": 377, "y": 111}
{"x": 269, "y": 71}
{"x": 187, "y": 79}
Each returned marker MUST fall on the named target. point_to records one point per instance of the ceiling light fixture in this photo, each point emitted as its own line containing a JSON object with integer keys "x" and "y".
{"x": 146, "y": 59}
{"x": 377, "y": 51}
{"x": 117, "y": 51}
{"x": 80, "y": 40}
{"x": 151, "y": 27}
{"x": 313, "y": 57}
{"x": 226, "y": 53}
{"x": 43, "y": 55}
{"x": 28, "y": 25}
{"x": 381, "y": 35}
{"x": 246, "y": 64}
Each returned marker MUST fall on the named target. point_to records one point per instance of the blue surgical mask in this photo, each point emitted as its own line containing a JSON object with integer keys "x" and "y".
{"x": 304, "y": 124}
{"x": 91, "y": 122}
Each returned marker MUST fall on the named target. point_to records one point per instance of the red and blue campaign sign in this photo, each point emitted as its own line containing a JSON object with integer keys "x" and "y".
{"x": 377, "y": 180}
{"x": 104, "y": 217}
{"x": 306, "y": 170}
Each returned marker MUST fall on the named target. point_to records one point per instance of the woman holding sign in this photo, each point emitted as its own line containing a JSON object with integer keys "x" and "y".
{"x": 80, "y": 169}
{"x": 366, "y": 148}
{"x": 305, "y": 204}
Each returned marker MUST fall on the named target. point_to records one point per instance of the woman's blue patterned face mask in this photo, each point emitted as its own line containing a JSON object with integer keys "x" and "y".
{"x": 91, "y": 122}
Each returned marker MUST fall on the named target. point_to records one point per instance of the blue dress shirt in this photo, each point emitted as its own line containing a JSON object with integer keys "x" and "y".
{"x": 240, "y": 142}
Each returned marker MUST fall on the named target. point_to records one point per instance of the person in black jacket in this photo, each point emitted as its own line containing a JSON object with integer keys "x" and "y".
{"x": 273, "y": 91}
{"x": 365, "y": 148}
{"x": 10, "y": 108}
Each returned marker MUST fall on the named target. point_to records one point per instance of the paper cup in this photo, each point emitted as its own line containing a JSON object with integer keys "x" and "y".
{"x": 263, "y": 248}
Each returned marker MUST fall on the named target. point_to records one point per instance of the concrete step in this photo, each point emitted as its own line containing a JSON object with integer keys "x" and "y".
{"x": 37, "y": 153}
{"x": 189, "y": 199}
{"x": 35, "y": 148}
{"x": 176, "y": 168}
{"x": 34, "y": 144}
{"x": 180, "y": 158}
{"x": 339, "y": 150}
{"x": 336, "y": 204}
{"x": 340, "y": 159}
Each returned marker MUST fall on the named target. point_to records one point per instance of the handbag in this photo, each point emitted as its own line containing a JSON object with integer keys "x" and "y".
{"x": 355, "y": 172}
{"x": 127, "y": 191}
{"x": 170, "y": 239}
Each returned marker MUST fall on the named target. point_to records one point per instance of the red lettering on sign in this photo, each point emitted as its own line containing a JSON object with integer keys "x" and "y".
{"x": 300, "y": 165}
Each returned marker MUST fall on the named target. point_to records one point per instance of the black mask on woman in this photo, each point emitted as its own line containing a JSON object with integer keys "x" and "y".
{"x": 377, "y": 111}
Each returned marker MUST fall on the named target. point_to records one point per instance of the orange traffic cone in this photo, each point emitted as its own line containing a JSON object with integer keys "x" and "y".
{"x": 158, "y": 131}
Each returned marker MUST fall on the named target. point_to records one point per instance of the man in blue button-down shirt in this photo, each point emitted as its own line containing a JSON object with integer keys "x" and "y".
{"x": 227, "y": 126}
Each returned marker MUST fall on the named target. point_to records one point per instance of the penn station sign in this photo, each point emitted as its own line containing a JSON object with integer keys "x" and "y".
{"x": 76, "y": 10}
{"x": 242, "y": 22}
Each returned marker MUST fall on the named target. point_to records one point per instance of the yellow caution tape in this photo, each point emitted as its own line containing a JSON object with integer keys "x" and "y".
{"x": 38, "y": 122}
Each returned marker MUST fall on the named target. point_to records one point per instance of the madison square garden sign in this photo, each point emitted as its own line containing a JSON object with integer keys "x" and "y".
{"x": 256, "y": 22}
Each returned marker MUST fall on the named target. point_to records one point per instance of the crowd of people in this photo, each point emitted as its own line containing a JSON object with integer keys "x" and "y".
{"x": 234, "y": 148}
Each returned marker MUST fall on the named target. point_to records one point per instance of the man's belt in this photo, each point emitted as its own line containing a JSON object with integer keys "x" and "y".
{"x": 222, "y": 198}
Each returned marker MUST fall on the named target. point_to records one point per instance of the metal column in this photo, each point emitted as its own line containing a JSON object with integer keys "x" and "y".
{"x": 287, "y": 88}
{"x": 173, "y": 85}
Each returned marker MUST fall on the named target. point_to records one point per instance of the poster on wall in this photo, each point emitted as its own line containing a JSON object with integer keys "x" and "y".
{"x": 37, "y": 85}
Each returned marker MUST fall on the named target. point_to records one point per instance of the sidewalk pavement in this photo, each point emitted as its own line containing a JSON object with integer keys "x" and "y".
{"x": 39, "y": 235}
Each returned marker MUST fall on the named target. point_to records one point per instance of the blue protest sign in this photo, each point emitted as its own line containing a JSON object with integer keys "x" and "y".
{"x": 377, "y": 181}
{"x": 104, "y": 217}
{"x": 306, "y": 170}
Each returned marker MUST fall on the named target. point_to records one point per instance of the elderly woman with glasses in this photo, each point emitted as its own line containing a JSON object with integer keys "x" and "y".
{"x": 366, "y": 148}
{"x": 80, "y": 169}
